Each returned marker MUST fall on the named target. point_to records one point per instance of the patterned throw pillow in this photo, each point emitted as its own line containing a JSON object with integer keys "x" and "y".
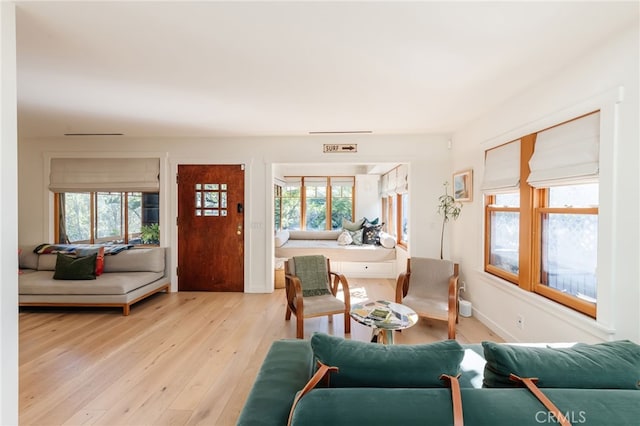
{"x": 356, "y": 237}
{"x": 371, "y": 234}
{"x": 372, "y": 222}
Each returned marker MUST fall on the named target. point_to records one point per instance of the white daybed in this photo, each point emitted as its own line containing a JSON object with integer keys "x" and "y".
{"x": 357, "y": 261}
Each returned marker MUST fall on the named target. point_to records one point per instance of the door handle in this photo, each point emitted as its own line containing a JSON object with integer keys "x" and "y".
{"x": 239, "y": 229}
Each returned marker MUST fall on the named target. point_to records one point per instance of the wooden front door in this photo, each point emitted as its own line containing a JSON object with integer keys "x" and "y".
{"x": 211, "y": 227}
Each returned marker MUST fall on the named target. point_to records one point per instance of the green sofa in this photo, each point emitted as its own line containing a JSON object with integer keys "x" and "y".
{"x": 398, "y": 385}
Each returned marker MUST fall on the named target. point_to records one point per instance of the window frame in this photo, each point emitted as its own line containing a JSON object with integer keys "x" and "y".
{"x": 532, "y": 208}
{"x": 303, "y": 201}
{"x": 93, "y": 200}
{"x": 568, "y": 300}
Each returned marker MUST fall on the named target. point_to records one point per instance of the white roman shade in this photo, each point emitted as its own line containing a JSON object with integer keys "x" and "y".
{"x": 391, "y": 182}
{"x": 402, "y": 179}
{"x": 104, "y": 174}
{"x": 343, "y": 181}
{"x": 384, "y": 185}
{"x": 502, "y": 168}
{"x": 293, "y": 181}
{"x": 315, "y": 181}
{"x": 566, "y": 154}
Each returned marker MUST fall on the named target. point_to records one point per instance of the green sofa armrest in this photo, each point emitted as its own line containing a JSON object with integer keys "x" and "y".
{"x": 286, "y": 369}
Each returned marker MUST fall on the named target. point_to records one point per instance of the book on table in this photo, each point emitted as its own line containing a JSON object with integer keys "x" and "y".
{"x": 379, "y": 314}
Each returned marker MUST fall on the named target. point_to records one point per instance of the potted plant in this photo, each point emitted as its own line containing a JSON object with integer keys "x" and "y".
{"x": 150, "y": 234}
{"x": 449, "y": 208}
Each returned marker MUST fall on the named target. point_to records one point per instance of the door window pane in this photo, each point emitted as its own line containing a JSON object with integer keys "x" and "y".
{"x": 210, "y": 199}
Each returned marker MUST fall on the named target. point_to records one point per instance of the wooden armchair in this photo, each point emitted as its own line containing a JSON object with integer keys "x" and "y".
{"x": 311, "y": 292}
{"x": 430, "y": 287}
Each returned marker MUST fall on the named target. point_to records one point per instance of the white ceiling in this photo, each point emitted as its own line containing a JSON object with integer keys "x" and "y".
{"x": 288, "y": 68}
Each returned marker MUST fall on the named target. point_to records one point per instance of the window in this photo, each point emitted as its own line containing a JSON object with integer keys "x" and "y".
{"x": 315, "y": 211}
{"x": 313, "y": 203}
{"x": 503, "y": 214}
{"x": 107, "y": 217}
{"x": 290, "y": 205}
{"x": 568, "y": 221}
{"x": 404, "y": 218}
{"x": 341, "y": 201}
{"x": 541, "y": 205}
{"x": 394, "y": 190}
{"x": 277, "y": 205}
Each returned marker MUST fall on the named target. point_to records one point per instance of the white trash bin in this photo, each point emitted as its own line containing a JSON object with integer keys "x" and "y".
{"x": 465, "y": 308}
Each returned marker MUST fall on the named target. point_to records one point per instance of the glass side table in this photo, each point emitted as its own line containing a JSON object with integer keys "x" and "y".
{"x": 383, "y": 317}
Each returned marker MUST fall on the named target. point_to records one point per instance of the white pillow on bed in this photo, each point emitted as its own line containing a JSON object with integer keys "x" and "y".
{"x": 281, "y": 238}
{"x": 387, "y": 240}
{"x": 344, "y": 239}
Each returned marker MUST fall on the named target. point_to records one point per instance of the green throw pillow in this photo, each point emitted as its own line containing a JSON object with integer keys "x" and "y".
{"x": 75, "y": 268}
{"x": 363, "y": 364}
{"x": 610, "y": 365}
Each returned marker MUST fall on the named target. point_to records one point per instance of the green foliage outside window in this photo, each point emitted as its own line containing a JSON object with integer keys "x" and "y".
{"x": 288, "y": 209}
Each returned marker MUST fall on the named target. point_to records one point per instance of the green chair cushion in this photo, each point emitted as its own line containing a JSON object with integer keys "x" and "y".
{"x": 610, "y": 365}
{"x": 363, "y": 364}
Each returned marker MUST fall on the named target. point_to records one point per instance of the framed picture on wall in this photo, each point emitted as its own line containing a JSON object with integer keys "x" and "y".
{"x": 463, "y": 185}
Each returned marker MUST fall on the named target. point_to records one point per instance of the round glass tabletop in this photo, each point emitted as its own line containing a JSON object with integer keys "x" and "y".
{"x": 383, "y": 314}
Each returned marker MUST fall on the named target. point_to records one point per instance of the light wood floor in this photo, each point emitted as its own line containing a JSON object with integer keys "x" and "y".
{"x": 179, "y": 359}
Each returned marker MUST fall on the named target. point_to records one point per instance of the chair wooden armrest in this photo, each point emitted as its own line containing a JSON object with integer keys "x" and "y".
{"x": 402, "y": 286}
{"x": 453, "y": 306}
{"x": 293, "y": 289}
{"x": 339, "y": 279}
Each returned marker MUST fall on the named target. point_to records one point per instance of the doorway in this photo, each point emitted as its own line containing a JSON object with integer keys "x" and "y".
{"x": 211, "y": 227}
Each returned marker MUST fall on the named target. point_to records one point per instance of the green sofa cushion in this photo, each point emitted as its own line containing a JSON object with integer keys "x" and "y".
{"x": 610, "y": 365}
{"x": 363, "y": 364}
{"x": 481, "y": 407}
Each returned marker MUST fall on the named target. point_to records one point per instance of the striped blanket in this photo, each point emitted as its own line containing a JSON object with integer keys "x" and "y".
{"x": 109, "y": 249}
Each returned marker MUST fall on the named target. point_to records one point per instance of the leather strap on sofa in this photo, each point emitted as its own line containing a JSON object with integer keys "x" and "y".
{"x": 456, "y": 398}
{"x": 323, "y": 371}
{"x": 530, "y": 383}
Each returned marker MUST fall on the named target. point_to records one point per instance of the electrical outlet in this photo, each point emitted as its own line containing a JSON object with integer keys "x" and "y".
{"x": 520, "y": 322}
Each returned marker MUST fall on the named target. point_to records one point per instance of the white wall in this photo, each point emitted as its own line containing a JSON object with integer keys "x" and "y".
{"x": 368, "y": 202}
{"x": 8, "y": 219}
{"x": 428, "y": 153}
{"x": 590, "y": 83}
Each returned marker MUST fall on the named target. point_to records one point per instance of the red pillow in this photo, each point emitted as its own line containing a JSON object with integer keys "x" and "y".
{"x": 100, "y": 261}
{"x": 99, "y": 251}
